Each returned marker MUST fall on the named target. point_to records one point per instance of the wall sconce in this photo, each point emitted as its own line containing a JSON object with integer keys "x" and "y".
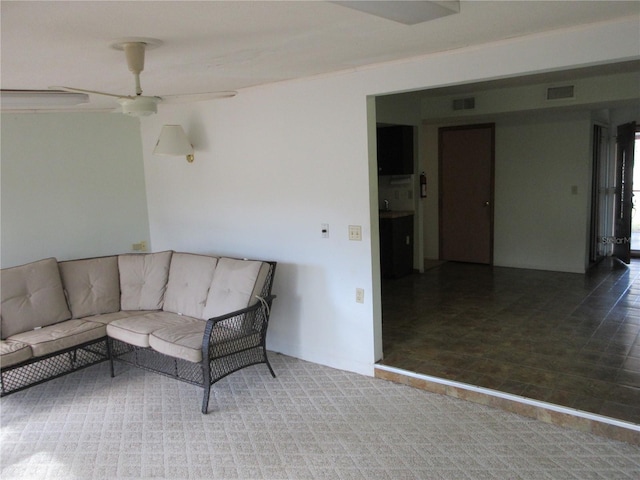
{"x": 174, "y": 142}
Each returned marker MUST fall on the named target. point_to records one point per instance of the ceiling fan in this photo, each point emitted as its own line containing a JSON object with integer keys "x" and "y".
{"x": 139, "y": 105}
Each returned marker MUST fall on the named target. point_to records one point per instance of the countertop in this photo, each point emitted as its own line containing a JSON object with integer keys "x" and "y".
{"x": 395, "y": 213}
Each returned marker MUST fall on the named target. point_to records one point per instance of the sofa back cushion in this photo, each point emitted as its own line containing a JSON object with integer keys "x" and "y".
{"x": 235, "y": 285}
{"x": 92, "y": 285}
{"x": 143, "y": 280}
{"x": 32, "y": 297}
{"x": 190, "y": 277}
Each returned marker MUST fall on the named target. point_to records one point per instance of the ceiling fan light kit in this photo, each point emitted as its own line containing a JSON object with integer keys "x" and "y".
{"x": 139, "y": 106}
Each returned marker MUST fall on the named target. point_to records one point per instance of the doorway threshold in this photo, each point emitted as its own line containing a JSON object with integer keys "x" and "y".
{"x": 546, "y": 412}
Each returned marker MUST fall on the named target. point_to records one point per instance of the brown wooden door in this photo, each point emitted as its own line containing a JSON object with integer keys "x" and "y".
{"x": 624, "y": 191}
{"x": 466, "y": 193}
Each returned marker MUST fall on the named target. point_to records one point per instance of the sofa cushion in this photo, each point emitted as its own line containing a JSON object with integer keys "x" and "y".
{"x": 107, "y": 318}
{"x": 92, "y": 285}
{"x": 235, "y": 286}
{"x": 13, "y": 352}
{"x": 185, "y": 341}
{"x": 190, "y": 277}
{"x": 143, "y": 280}
{"x": 32, "y": 296}
{"x": 181, "y": 341}
{"x": 62, "y": 335}
{"x": 135, "y": 330}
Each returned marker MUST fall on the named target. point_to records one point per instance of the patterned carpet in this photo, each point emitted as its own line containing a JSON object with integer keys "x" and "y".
{"x": 312, "y": 422}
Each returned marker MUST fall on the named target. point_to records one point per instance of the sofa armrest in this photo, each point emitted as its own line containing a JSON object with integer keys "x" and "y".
{"x": 228, "y": 333}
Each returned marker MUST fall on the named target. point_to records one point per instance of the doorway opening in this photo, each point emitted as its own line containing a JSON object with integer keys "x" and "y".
{"x": 623, "y": 205}
{"x": 602, "y": 177}
{"x": 635, "y": 215}
{"x": 448, "y": 299}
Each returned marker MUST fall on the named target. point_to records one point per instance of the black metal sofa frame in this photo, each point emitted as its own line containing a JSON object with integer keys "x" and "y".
{"x": 42, "y": 369}
{"x": 222, "y": 354}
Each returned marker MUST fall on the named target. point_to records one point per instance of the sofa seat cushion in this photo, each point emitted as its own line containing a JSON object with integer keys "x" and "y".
{"x": 185, "y": 341}
{"x": 92, "y": 285}
{"x": 62, "y": 335}
{"x": 13, "y": 352}
{"x": 32, "y": 296}
{"x": 181, "y": 341}
{"x": 143, "y": 280}
{"x": 135, "y": 330}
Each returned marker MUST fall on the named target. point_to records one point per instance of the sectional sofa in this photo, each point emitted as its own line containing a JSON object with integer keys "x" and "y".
{"x": 196, "y": 318}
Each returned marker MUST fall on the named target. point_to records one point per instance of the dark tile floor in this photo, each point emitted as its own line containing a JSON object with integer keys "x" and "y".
{"x": 567, "y": 339}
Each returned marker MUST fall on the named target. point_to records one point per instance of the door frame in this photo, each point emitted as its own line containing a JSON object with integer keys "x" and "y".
{"x": 625, "y": 139}
{"x": 599, "y": 181}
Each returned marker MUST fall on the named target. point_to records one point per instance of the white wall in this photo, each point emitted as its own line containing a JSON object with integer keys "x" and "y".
{"x": 539, "y": 222}
{"x": 625, "y": 115}
{"x": 590, "y": 92}
{"x": 276, "y": 162}
{"x": 542, "y": 192}
{"x": 72, "y": 186}
{"x": 525, "y": 119}
{"x": 271, "y": 166}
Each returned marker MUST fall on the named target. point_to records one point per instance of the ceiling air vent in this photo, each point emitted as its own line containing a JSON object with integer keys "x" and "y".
{"x": 464, "y": 103}
{"x": 560, "y": 93}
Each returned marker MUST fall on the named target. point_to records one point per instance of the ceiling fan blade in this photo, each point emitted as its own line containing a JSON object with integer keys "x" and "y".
{"x": 81, "y": 90}
{"x": 197, "y": 97}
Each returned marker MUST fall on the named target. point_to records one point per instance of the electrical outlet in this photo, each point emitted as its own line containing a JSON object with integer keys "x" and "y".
{"x": 139, "y": 247}
{"x": 355, "y": 232}
{"x": 360, "y": 295}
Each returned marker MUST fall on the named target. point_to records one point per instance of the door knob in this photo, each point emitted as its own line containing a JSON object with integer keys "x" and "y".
{"x": 486, "y": 204}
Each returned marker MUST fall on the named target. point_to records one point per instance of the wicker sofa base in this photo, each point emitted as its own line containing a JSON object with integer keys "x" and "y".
{"x": 185, "y": 371}
{"x": 41, "y": 369}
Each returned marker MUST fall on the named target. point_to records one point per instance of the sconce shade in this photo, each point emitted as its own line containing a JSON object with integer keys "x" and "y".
{"x": 173, "y": 141}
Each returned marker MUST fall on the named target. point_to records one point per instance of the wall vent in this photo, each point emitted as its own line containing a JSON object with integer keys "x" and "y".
{"x": 560, "y": 93}
{"x": 464, "y": 103}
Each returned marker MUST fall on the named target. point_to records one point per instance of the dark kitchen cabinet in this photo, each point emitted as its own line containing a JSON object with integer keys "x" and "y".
{"x": 396, "y": 245}
{"x": 395, "y": 150}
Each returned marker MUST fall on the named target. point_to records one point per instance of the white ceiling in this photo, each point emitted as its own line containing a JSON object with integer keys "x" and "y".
{"x": 232, "y": 45}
